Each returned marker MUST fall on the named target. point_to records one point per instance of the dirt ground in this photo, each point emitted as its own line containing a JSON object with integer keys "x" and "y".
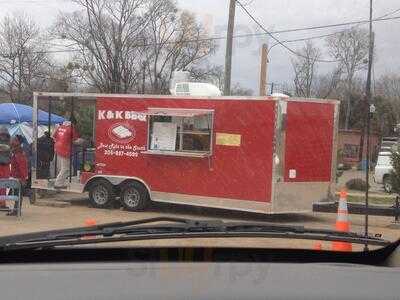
{"x": 39, "y": 218}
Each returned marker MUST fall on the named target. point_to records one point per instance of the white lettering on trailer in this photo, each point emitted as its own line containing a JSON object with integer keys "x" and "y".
{"x": 118, "y": 115}
{"x": 110, "y": 115}
{"x": 101, "y": 115}
{"x": 129, "y": 151}
{"x": 127, "y": 115}
{"x": 121, "y": 115}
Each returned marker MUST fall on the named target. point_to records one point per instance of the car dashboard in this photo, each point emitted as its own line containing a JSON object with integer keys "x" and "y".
{"x": 199, "y": 273}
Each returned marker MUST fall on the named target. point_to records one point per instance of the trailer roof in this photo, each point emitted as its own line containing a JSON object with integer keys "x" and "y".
{"x": 93, "y": 96}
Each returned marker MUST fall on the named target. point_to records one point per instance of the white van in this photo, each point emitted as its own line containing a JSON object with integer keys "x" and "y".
{"x": 383, "y": 170}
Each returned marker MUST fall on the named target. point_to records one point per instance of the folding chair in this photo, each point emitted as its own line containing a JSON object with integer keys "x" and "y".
{"x": 12, "y": 185}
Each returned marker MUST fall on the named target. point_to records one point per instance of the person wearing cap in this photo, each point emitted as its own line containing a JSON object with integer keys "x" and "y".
{"x": 19, "y": 166}
{"x": 5, "y": 159}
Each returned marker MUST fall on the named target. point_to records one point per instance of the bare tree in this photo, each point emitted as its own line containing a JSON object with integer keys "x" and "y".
{"x": 65, "y": 79}
{"x": 132, "y": 45}
{"x": 388, "y": 86}
{"x": 24, "y": 62}
{"x": 304, "y": 68}
{"x": 176, "y": 41}
{"x": 350, "y": 48}
{"x": 107, "y": 34}
{"x": 239, "y": 90}
{"x": 209, "y": 73}
{"x": 214, "y": 74}
{"x": 328, "y": 85}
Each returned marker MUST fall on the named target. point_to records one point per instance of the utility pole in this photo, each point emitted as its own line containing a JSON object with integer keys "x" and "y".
{"x": 229, "y": 46}
{"x": 264, "y": 70}
{"x": 369, "y": 111}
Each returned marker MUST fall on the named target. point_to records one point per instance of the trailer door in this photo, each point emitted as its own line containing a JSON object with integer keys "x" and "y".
{"x": 309, "y": 142}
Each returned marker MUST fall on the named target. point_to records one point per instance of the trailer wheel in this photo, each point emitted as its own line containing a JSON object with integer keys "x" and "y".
{"x": 101, "y": 194}
{"x": 134, "y": 196}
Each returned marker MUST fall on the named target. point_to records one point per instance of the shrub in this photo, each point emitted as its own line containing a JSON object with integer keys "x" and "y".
{"x": 346, "y": 167}
{"x": 395, "y": 175}
{"x": 356, "y": 184}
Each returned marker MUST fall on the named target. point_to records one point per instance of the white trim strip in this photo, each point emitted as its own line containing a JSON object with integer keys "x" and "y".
{"x": 203, "y": 201}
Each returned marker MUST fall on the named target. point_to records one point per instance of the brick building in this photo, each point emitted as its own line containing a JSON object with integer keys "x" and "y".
{"x": 349, "y": 146}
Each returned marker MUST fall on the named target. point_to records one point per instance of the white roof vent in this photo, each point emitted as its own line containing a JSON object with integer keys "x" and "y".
{"x": 178, "y": 76}
{"x": 195, "y": 89}
{"x": 280, "y": 95}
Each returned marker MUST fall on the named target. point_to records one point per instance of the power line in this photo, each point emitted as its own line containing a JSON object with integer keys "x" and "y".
{"x": 277, "y": 40}
{"x": 336, "y": 32}
{"x": 279, "y": 31}
{"x": 363, "y": 22}
{"x": 310, "y": 38}
{"x": 390, "y": 13}
{"x": 237, "y": 36}
{"x": 358, "y": 23}
{"x": 331, "y": 25}
{"x": 250, "y": 2}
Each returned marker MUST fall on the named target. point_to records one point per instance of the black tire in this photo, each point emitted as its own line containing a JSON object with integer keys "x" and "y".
{"x": 387, "y": 184}
{"x": 101, "y": 194}
{"x": 134, "y": 196}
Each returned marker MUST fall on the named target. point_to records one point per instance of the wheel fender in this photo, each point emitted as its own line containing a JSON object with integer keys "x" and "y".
{"x": 116, "y": 181}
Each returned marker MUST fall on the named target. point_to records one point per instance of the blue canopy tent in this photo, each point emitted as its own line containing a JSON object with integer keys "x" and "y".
{"x": 18, "y": 119}
{"x": 12, "y": 113}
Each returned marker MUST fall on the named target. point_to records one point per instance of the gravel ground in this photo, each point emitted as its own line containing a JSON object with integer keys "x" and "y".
{"x": 38, "y": 218}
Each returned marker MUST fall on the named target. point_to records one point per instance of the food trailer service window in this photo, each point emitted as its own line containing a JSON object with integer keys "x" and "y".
{"x": 180, "y": 132}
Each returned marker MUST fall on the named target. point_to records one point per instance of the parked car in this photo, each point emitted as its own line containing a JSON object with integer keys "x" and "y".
{"x": 390, "y": 139}
{"x": 383, "y": 169}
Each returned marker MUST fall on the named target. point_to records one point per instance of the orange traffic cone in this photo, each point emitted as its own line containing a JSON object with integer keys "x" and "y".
{"x": 317, "y": 246}
{"x": 90, "y": 222}
{"x": 342, "y": 223}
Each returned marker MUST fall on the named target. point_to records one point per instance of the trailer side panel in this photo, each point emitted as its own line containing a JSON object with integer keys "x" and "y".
{"x": 241, "y": 171}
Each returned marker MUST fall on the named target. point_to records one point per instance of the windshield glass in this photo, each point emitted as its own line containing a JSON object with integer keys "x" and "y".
{"x": 122, "y": 110}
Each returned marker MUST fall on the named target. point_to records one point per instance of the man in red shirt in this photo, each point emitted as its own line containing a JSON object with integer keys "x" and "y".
{"x": 19, "y": 166}
{"x": 62, "y": 147}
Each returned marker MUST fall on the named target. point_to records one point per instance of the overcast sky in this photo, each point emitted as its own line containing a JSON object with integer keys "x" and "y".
{"x": 275, "y": 15}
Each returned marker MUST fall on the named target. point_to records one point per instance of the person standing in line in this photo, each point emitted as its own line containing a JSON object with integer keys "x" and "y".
{"x": 62, "y": 146}
{"x": 19, "y": 167}
{"x": 5, "y": 159}
{"x": 45, "y": 150}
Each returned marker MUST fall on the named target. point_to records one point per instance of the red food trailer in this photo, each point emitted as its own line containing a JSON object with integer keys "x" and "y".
{"x": 259, "y": 154}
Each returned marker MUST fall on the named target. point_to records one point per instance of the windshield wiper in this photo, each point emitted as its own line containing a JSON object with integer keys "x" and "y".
{"x": 172, "y": 228}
